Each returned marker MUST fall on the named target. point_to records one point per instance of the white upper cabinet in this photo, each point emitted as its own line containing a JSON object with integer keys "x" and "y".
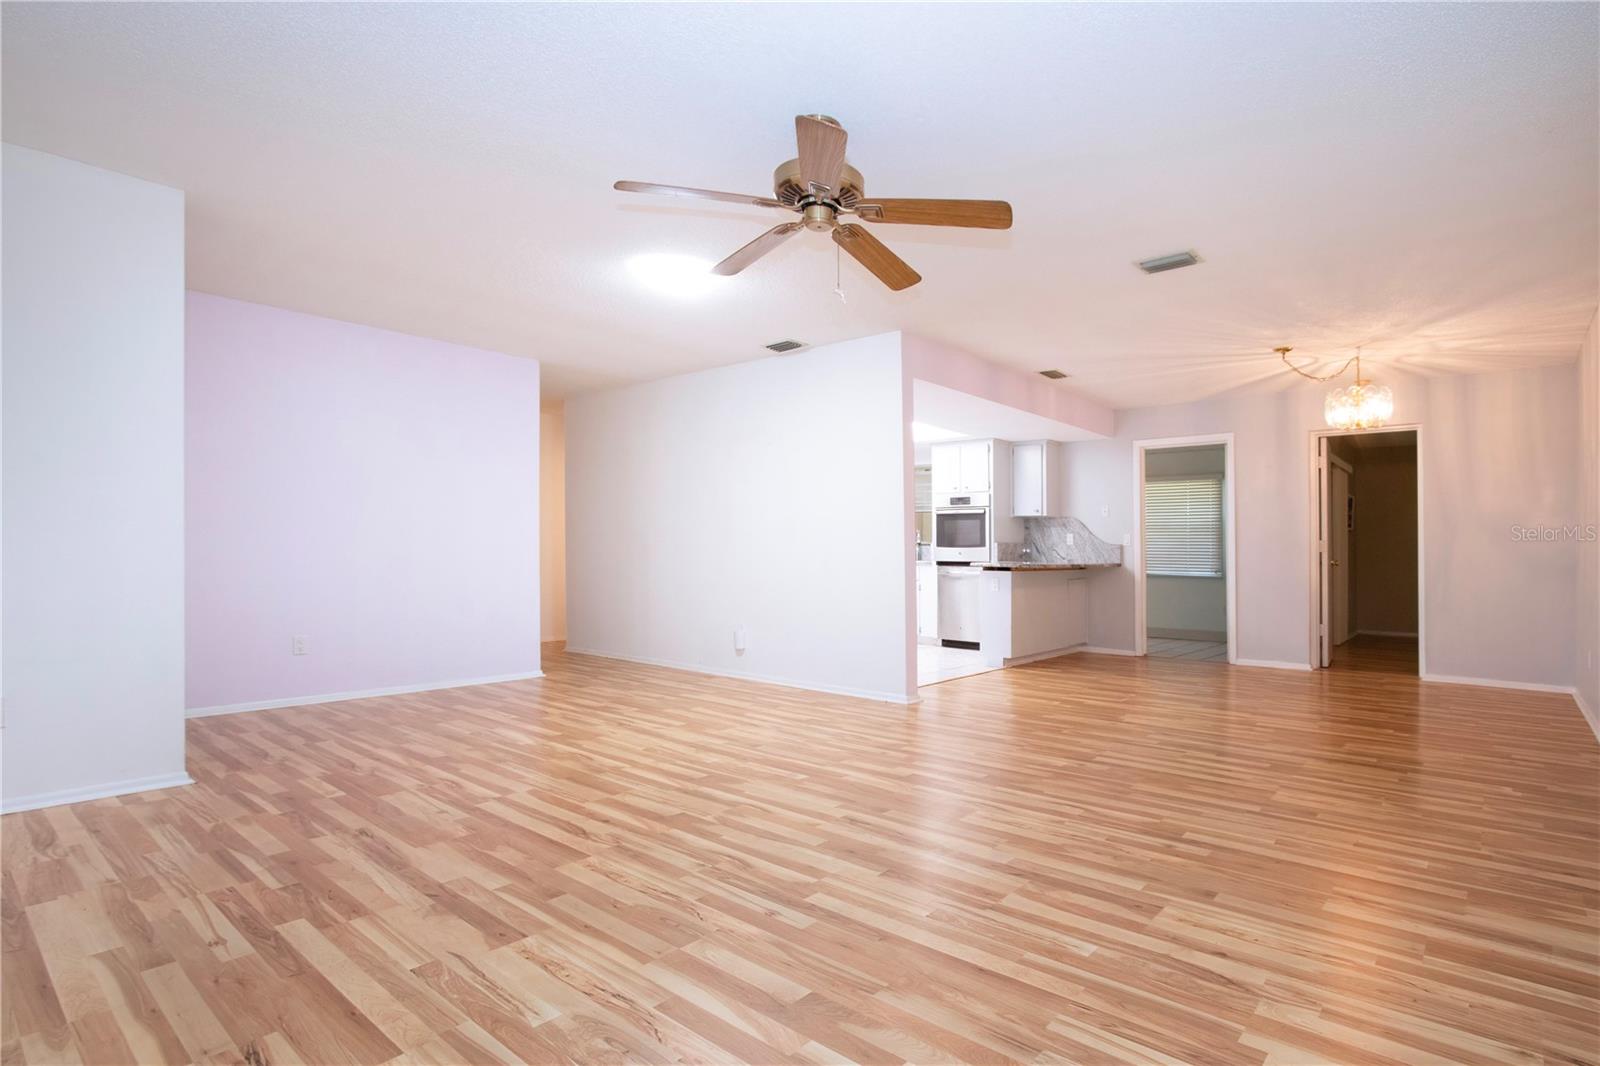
{"x": 1035, "y": 469}
{"x": 975, "y": 466}
{"x": 946, "y": 460}
{"x": 961, "y": 467}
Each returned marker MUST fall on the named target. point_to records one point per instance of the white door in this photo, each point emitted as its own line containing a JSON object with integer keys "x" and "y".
{"x": 1339, "y": 513}
{"x": 1027, "y": 479}
{"x": 974, "y": 466}
{"x": 946, "y": 459}
{"x": 1324, "y": 646}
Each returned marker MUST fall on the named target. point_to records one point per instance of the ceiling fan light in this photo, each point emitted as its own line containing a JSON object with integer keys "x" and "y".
{"x": 674, "y": 275}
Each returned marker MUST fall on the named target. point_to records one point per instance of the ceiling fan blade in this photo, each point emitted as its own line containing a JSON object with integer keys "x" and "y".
{"x": 871, "y": 253}
{"x": 821, "y": 152}
{"x": 976, "y": 214}
{"x": 696, "y": 194}
{"x": 757, "y": 248}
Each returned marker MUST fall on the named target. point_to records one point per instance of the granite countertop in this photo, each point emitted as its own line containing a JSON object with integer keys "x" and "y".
{"x": 1016, "y": 565}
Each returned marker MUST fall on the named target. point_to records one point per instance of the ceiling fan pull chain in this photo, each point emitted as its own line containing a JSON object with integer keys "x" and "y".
{"x": 838, "y": 273}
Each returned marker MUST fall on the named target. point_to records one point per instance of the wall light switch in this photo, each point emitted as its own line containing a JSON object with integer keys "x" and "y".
{"x": 1105, "y": 510}
{"x": 299, "y": 645}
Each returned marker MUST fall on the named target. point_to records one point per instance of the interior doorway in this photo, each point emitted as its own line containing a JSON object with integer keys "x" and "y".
{"x": 1184, "y": 600}
{"x": 1367, "y": 547}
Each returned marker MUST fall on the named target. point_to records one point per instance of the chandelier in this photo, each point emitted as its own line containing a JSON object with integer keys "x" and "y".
{"x": 1361, "y": 405}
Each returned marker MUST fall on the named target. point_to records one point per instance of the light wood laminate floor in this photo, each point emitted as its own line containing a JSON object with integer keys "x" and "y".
{"x": 1088, "y": 859}
{"x": 1375, "y": 654}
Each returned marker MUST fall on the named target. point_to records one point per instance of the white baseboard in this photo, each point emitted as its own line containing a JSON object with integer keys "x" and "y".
{"x": 696, "y": 668}
{"x": 1590, "y": 714}
{"x": 1489, "y": 682}
{"x": 94, "y": 792}
{"x": 1039, "y": 657}
{"x": 1096, "y": 650}
{"x": 336, "y": 697}
{"x": 1383, "y": 633}
{"x": 1272, "y": 664}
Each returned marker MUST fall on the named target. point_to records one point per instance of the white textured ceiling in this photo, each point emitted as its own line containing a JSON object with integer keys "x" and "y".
{"x": 1418, "y": 178}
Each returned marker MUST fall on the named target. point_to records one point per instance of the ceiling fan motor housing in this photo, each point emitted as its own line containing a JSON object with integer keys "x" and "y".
{"x": 788, "y": 189}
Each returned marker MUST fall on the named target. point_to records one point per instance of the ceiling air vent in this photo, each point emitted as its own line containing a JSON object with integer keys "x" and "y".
{"x": 1169, "y": 262}
{"x": 784, "y": 346}
{"x": 1053, "y": 375}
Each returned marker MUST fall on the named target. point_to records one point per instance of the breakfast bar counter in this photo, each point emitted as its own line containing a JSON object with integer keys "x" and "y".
{"x": 1031, "y": 611}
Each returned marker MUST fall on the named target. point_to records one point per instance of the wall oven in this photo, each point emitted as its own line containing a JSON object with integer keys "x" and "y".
{"x": 962, "y": 531}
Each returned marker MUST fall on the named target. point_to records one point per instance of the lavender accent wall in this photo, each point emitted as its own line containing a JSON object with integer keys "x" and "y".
{"x": 374, "y": 492}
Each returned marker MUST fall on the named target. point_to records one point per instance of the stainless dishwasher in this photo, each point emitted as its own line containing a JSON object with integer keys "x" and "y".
{"x": 958, "y": 603}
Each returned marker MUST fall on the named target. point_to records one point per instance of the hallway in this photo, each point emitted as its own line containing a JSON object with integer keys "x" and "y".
{"x": 1370, "y": 654}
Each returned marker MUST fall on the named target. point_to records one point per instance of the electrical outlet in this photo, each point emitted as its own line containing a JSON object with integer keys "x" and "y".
{"x": 1127, "y": 539}
{"x": 1072, "y": 538}
{"x": 299, "y": 645}
{"x": 738, "y": 640}
{"x": 1105, "y": 511}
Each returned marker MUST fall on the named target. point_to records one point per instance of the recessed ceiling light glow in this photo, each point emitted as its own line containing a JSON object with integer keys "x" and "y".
{"x": 681, "y": 276}
{"x": 923, "y": 433}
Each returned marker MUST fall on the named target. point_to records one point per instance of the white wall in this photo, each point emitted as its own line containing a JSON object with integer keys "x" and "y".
{"x": 1586, "y": 630}
{"x": 552, "y": 522}
{"x": 772, "y": 495}
{"x": 1195, "y": 608}
{"x": 1186, "y": 462}
{"x": 1498, "y": 450}
{"x": 93, "y": 482}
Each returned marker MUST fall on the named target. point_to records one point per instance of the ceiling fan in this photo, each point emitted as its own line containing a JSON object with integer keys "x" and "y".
{"x": 820, "y": 186}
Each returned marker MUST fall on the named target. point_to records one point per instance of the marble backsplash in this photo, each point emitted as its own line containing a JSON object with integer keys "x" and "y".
{"x": 1045, "y": 541}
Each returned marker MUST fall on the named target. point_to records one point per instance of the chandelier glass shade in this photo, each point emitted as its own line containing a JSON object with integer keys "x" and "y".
{"x": 1362, "y": 405}
{"x": 1359, "y": 406}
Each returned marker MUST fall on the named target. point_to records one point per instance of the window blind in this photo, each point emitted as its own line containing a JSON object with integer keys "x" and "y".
{"x": 924, "y": 488}
{"x": 1183, "y": 526}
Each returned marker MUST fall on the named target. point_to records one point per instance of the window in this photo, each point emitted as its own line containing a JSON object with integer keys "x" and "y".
{"x": 1183, "y": 526}
{"x": 924, "y": 494}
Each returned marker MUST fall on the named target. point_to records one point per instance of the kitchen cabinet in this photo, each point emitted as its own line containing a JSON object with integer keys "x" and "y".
{"x": 961, "y": 467}
{"x": 958, "y": 602}
{"x": 1035, "y": 471}
{"x": 927, "y": 602}
{"x": 1030, "y": 614}
{"x": 946, "y": 460}
{"x": 976, "y": 475}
